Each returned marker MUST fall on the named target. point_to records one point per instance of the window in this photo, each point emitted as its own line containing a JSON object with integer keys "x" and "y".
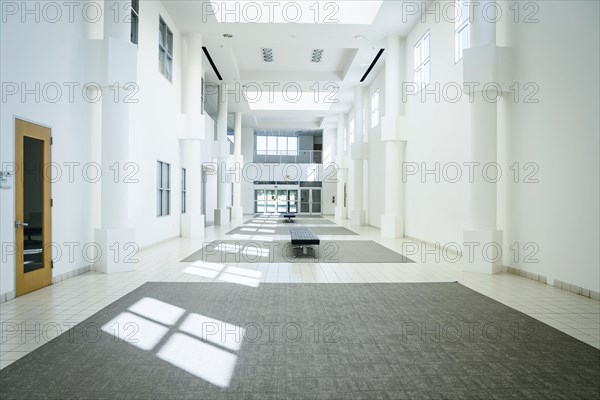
{"x": 165, "y": 50}
{"x": 202, "y": 97}
{"x": 163, "y": 184}
{"x": 375, "y": 109}
{"x": 183, "y": 191}
{"x": 365, "y": 132}
{"x": 276, "y": 145}
{"x": 461, "y": 29}
{"x": 422, "y": 65}
{"x": 351, "y": 130}
{"x": 135, "y": 18}
{"x": 345, "y": 139}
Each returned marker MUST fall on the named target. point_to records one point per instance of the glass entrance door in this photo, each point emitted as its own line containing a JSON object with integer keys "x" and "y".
{"x": 310, "y": 201}
{"x": 275, "y": 201}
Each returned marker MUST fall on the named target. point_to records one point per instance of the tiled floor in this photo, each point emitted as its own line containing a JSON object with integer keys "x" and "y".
{"x": 31, "y": 320}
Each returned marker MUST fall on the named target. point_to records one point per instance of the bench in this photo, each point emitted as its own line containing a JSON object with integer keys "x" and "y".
{"x": 304, "y": 238}
{"x": 288, "y": 217}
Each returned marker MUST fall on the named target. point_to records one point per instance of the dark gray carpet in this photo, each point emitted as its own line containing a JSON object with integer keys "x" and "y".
{"x": 277, "y": 229}
{"x": 279, "y": 216}
{"x": 307, "y": 341}
{"x": 266, "y": 222}
{"x": 341, "y": 251}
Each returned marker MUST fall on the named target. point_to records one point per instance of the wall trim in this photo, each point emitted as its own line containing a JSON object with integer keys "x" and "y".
{"x": 4, "y": 297}
{"x": 592, "y": 294}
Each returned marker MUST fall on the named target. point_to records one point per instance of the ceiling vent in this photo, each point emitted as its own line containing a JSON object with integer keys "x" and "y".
{"x": 317, "y": 54}
{"x": 267, "y": 55}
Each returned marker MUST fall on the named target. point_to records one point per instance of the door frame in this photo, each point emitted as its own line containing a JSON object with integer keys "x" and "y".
{"x": 34, "y": 280}
{"x": 310, "y": 201}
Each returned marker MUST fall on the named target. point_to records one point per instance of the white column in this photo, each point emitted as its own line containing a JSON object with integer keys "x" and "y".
{"x": 114, "y": 235}
{"x": 483, "y": 242}
{"x": 341, "y": 211}
{"x": 394, "y": 134}
{"x": 192, "y": 222}
{"x": 357, "y": 213}
{"x": 237, "y": 162}
{"x": 222, "y": 157}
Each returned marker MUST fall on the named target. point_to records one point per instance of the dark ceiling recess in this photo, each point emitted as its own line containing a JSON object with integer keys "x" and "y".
{"x": 372, "y": 65}
{"x": 212, "y": 64}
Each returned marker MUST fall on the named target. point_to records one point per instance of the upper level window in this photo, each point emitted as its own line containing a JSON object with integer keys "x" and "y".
{"x": 375, "y": 109}
{"x": 461, "y": 29}
{"x": 135, "y": 19}
{"x": 364, "y": 127}
{"x": 183, "y": 191}
{"x": 277, "y": 145}
{"x": 163, "y": 186}
{"x": 165, "y": 50}
{"x": 422, "y": 65}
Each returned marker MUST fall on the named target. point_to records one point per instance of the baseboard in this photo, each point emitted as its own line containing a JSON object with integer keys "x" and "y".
{"x": 71, "y": 274}
{"x": 4, "y": 297}
{"x": 557, "y": 284}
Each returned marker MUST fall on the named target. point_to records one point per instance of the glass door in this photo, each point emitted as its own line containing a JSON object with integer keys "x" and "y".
{"x": 305, "y": 201}
{"x": 315, "y": 201}
{"x": 271, "y": 206}
{"x": 310, "y": 201}
{"x": 292, "y": 201}
{"x": 260, "y": 201}
{"x": 282, "y": 204}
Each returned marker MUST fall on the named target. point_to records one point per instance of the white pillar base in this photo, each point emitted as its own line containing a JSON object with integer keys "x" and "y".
{"x": 358, "y": 217}
{"x": 116, "y": 254}
{"x": 222, "y": 216}
{"x": 392, "y": 226}
{"x": 482, "y": 251}
{"x": 341, "y": 213}
{"x": 192, "y": 226}
{"x": 237, "y": 212}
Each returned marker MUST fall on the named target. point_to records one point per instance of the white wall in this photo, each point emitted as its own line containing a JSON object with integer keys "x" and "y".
{"x": 559, "y": 214}
{"x": 376, "y": 172}
{"x": 560, "y": 134}
{"x": 153, "y": 129}
{"x": 54, "y": 55}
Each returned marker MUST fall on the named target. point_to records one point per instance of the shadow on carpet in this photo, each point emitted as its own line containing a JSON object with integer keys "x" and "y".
{"x": 301, "y": 341}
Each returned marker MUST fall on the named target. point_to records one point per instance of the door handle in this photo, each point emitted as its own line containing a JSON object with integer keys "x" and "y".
{"x": 21, "y": 224}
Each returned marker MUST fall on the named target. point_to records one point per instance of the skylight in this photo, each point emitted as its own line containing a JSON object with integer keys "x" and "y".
{"x": 349, "y": 12}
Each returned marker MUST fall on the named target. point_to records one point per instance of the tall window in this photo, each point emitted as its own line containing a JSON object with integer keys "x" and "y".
{"x": 165, "y": 50}
{"x": 183, "y": 191}
{"x": 422, "y": 65}
{"x": 365, "y": 131}
{"x": 461, "y": 29}
{"x": 375, "y": 109}
{"x": 351, "y": 130}
{"x": 163, "y": 185}
{"x": 202, "y": 97}
{"x": 277, "y": 145}
{"x": 135, "y": 19}
{"x": 345, "y": 139}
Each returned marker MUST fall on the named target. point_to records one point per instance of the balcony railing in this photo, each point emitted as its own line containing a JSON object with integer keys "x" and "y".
{"x": 299, "y": 157}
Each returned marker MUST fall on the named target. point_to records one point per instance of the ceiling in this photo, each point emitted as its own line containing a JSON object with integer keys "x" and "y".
{"x": 325, "y": 88}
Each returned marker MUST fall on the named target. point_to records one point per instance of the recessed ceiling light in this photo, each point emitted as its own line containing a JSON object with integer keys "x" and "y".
{"x": 359, "y": 37}
{"x": 228, "y": 35}
{"x": 317, "y": 54}
{"x": 267, "y": 54}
